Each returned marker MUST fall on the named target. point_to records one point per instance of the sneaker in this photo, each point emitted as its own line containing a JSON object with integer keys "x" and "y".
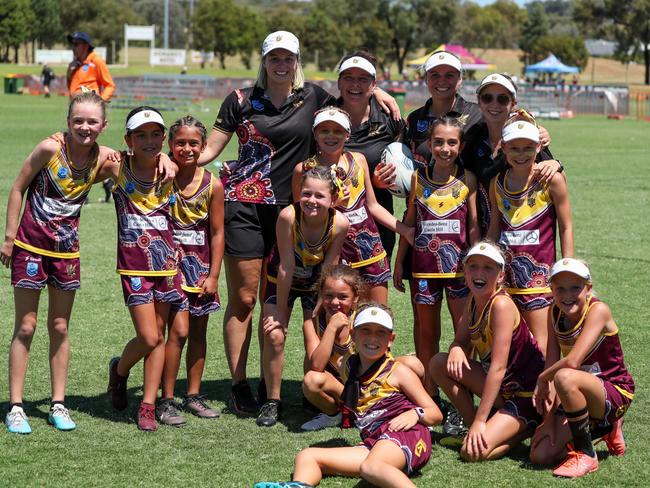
{"x": 269, "y": 412}
{"x": 167, "y": 413}
{"x": 282, "y": 484}
{"x": 322, "y": 421}
{"x": 614, "y": 439}
{"x": 196, "y": 404}
{"x": 116, "y": 386}
{"x": 59, "y": 417}
{"x": 17, "y": 422}
{"x": 241, "y": 400}
{"x": 455, "y": 440}
{"x": 147, "y": 417}
{"x": 576, "y": 464}
{"x": 454, "y": 423}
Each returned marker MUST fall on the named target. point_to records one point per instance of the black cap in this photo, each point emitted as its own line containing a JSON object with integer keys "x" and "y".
{"x": 81, "y": 36}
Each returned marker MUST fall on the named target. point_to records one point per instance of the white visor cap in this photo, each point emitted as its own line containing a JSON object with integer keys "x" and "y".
{"x": 497, "y": 79}
{"x": 443, "y": 57}
{"x": 374, "y": 315}
{"x": 487, "y": 250}
{"x": 521, "y": 130}
{"x": 332, "y": 115}
{"x": 573, "y": 266}
{"x": 144, "y": 117}
{"x": 358, "y": 62}
{"x": 281, "y": 40}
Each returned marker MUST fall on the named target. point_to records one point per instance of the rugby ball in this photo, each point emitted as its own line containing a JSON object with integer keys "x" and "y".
{"x": 401, "y": 157}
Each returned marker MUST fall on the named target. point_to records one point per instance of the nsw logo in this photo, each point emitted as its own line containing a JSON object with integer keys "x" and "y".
{"x": 422, "y": 285}
{"x": 423, "y": 125}
{"x": 136, "y": 283}
{"x": 257, "y": 105}
{"x": 32, "y": 269}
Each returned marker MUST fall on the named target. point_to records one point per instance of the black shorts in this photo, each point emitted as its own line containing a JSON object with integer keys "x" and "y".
{"x": 250, "y": 229}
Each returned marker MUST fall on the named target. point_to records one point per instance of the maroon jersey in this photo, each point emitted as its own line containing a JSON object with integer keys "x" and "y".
{"x": 145, "y": 239}
{"x": 339, "y": 351}
{"x": 192, "y": 232}
{"x": 308, "y": 256}
{"x": 50, "y": 221}
{"x": 528, "y": 223}
{"x": 525, "y": 360}
{"x": 440, "y": 225}
{"x": 605, "y": 359}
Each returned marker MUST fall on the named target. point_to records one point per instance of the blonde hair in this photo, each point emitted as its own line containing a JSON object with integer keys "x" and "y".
{"x": 298, "y": 82}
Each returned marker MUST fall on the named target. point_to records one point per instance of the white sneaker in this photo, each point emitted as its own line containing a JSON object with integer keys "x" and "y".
{"x": 322, "y": 421}
{"x": 17, "y": 422}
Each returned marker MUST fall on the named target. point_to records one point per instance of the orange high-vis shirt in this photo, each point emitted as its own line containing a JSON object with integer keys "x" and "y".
{"x": 93, "y": 74}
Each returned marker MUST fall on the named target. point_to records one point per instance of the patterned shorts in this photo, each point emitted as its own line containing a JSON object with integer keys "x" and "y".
{"x": 35, "y": 271}
{"x": 196, "y": 305}
{"x": 532, "y": 301}
{"x": 139, "y": 290}
{"x": 307, "y": 298}
{"x": 429, "y": 290}
{"x": 376, "y": 273}
{"x": 522, "y": 409}
{"x": 415, "y": 444}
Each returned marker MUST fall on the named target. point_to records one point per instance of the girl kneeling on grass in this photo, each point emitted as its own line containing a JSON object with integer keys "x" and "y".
{"x": 590, "y": 381}
{"x": 389, "y": 405}
{"x": 310, "y": 234}
{"x": 509, "y": 362}
{"x": 146, "y": 259}
{"x": 197, "y": 212}
{"x": 44, "y": 248}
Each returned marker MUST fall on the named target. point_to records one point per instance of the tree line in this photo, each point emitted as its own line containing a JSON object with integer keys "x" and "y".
{"x": 391, "y": 29}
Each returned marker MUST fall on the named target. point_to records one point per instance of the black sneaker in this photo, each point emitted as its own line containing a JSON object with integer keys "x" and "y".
{"x": 269, "y": 412}
{"x": 116, "y": 386}
{"x": 454, "y": 424}
{"x": 241, "y": 400}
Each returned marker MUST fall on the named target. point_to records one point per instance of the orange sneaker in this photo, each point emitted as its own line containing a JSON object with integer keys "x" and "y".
{"x": 614, "y": 439}
{"x": 576, "y": 464}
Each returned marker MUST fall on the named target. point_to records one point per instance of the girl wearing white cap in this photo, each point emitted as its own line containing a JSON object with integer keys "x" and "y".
{"x": 509, "y": 361}
{"x": 525, "y": 214}
{"x": 273, "y": 121}
{"x": 362, "y": 248}
{"x": 585, "y": 377}
{"x": 482, "y": 154}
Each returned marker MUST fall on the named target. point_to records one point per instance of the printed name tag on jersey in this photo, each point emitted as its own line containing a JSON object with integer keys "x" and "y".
{"x": 357, "y": 216}
{"x": 189, "y": 237}
{"x": 157, "y": 222}
{"x": 51, "y": 205}
{"x": 520, "y": 237}
{"x": 450, "y": 226}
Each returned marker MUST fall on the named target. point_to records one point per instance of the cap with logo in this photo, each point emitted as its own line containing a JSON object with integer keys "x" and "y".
{"x": 498, "y": 79}
{"x": 333, "y": 115}
{"x": 443, "y": 58}
{"x": 358, "y": 62}
{"x": 520, "y": 130}
{"x": 373, "y": 315}
{"x": 144, "y": 117}
{"x": 487, "y": 250}
{"x": 573, "y": 266}
{"x": 281, "y": 40}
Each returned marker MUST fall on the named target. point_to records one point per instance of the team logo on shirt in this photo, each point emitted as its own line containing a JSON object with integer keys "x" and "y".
{"x": 423, "y": 125}
{"x": 32, "y": 269}
{"x": 257, "y": 105}
{"x": 70, "y": 269}
{"x": 62, "y": 173}
{"x": 420, "y": 448}
{"x": 422, "y": 285}
{"x": 136, "y": 283}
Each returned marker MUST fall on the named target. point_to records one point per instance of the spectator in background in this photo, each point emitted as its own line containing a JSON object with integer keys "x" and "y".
{"x": 87, "y": 69}
{"x": 47, "y": 75}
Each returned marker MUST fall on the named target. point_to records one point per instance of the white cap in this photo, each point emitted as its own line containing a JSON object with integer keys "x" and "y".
{"x": 374, "y": 315}
{"x": 521, "y": 130}
{"x": 443, "y": 57}
{"x": 281, "y": 40}
{"x": 497, "y": 79}
{"x": 573, "y": 266}
{"x": 144, "y": 117}
{"x": 358, "y": 62}
{"x": 334, "y": 115}
{"x": 488, "y": 250}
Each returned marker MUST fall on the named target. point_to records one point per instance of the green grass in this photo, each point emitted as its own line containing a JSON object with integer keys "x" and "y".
{"x": 607, "y": 168}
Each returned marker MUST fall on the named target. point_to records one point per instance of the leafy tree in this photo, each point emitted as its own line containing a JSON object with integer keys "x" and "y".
{"x": 152, "y": 13}
{"x": 47, "y": 29}
{"x": 16, "y": 21}
{"x": 570, "y": 49}
{"x": 535, "y": 26}
{"x": 217, "y": 28}
{"x": 250, "y": 39}
{"x": 625, "y": 21}
{"x": 284, "y": 17}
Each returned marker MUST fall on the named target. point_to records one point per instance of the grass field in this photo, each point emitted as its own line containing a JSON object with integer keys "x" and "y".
{"x": 606, "y": 164}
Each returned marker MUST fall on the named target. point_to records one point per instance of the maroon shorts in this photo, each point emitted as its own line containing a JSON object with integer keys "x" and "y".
{"x": 522, "y": 409}
{"x": 196, "y": 305}
{"x": 139, "y": 290}
{"x": 532, "y": 301}
{"x": 34, "y": 271}
{"x": 429, "y": 290}
{"x": 376, "y": 273}
{"x": 616, "y": 403}
{"x": 415, "y": 444}
{"x": 307, "y": 298}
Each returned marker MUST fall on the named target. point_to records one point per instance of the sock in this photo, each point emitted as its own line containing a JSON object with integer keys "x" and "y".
{"x": 54, "y": 402}
{"x": 12, "y": 405}
{"x": 579, "y": 425}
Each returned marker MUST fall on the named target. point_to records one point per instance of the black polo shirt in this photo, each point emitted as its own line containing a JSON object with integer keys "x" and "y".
{"x": 271, "y": 141}
{"x": 370, "y": 139}
{"x": 419, "y": 121}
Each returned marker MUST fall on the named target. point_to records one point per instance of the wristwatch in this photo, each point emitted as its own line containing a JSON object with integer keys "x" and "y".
{"x": 420, "y": 412}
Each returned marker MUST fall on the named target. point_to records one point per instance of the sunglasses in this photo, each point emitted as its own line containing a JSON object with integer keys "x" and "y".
{"x": 501, "y": 99}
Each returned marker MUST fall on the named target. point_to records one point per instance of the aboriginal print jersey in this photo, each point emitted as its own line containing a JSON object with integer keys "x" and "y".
{"x": 50, "y": 222}
{"x": 528, "y": 223}
{"x": 271, "y": 141}
{"x": 379, "y": 401}
{"x": 605, "y": 358}
{"x": 362, "y": 245}
{"x": 339, "y": 351}
{"x": 145, "y": 239}
{"x": 440, "y": 225}
{"x": 308, "y": 256}
{"x": 190, "y": 215}
{"x": 525, "y": 360}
